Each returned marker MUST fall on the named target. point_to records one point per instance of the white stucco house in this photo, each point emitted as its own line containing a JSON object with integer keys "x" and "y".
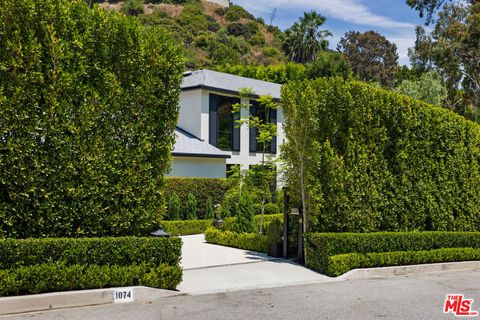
{"x": 208, "y": 138}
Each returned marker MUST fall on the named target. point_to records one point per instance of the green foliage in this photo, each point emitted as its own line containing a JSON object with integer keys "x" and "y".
{"x": 321, "y": 247}
{"x": 229, "y": 223}
{"x": 275, "y": 231}
{"x": 329, "y": 64}
{"x": 271, "y": 208}
{"x": 428, "y": 88}
{"x": 235, "y": 12}
{"x": 191, "y": 213}
{"x": 174, "y": 207}
{"x": 50, "y": 277}
{"x": 342, "y": 263}
{"x": 203, "y": 188}
{"x": 210, "y": 210}
{"x": 281, "y": 73}
{"x": 122, "y": 251}
{"x": 132, "y": 7}
{"x": 246, "y": 241}
{"x": 88, "y": 108}
{"x": 238, "y": 29}
{"x": 186, "y": 227}
{"x": 381, "y": 161}
{"x": 245, "y": 212}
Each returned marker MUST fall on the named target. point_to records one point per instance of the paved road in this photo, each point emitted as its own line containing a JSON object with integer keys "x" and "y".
{"x": 401, "y": 297}
{"x": 211, "y": 268}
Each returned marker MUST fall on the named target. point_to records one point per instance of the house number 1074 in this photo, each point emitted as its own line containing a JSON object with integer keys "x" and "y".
{"x": 121, "y": 295}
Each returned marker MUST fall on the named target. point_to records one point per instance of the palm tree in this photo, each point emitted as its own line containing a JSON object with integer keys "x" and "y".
{"x": 304, "y": 40}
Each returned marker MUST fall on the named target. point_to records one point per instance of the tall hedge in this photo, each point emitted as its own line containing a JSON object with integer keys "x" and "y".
{"x": 88, "y": 107}
{"x": 201, "y": 188}
{"x": 383, "y": 161}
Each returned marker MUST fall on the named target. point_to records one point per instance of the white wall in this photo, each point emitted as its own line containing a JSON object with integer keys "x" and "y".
{"x": 198, "y": 167}
{"x": 190, "y": 116}
{"x": 223, "y": 3}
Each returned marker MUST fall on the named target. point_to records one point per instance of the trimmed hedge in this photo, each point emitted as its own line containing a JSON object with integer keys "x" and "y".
{"x": 97, "y": 251}
{"x": 246, "y": 241}
{"x": 202, "y": 188}
{"x": 88, "y": 109}
{"x": 187, "y": 227}
{"x": 60, "y": 277}
{"x": 380, "y": 161}
{"x": 341, "y": 263}
{"x": 321, "y": 247}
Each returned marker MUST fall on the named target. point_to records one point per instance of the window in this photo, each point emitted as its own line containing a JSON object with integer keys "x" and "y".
{"x": 265, "y": 116}
{"x": 223, "y": 130}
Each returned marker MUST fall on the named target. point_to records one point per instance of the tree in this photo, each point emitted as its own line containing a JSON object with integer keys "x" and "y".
{"x": 245, "y": 212}
{"x": 453, "y": 49}
{"x": 428, "y": 88}
{"x": 263, "y": 174}
{"x": 371, "y": 56}
{"x": 329, "y": 64}
{"x": 304, "y": 40}
{"x": 210, "y": 211}
{"x": 174, "y": 207}
{"x": 191, "y": 213}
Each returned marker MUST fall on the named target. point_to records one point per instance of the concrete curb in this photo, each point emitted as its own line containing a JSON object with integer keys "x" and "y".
{"x": 405, "y": 270}
{"x": 74, "y": 299}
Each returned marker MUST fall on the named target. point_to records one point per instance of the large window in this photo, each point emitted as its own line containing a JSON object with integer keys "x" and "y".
{"x": 266, "y": 116}
{"x": 223, "y": 131}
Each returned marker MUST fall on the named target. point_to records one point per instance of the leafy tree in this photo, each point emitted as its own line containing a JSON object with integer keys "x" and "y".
{"x": 452, "y": 48}
{"x": 428, "y": 88}
{"x": 371, "y": 56}
{"x": 132, "y": 7}
{"x": 304, "y": 40}
{"x": 191, "y": 213}
{"x": 88, "y": 108}
{"x": 245, "y": 212}
{"x": 329, "y": 64}
{"x": 174, "y": 207}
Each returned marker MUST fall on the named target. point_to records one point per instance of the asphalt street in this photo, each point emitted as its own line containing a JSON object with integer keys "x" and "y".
{"x": 420, "y": 296}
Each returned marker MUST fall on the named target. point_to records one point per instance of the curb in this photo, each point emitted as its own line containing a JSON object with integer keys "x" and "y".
{"x": 74, "y": 299}
{"x": 405, "y": 270}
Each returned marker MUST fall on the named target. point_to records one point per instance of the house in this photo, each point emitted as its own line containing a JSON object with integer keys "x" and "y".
{"x": 223, "y": 3}
{"x": 209, "y": 140}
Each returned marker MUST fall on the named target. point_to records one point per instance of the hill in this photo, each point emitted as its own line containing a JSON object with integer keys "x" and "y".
{"x": 212, "y": 35}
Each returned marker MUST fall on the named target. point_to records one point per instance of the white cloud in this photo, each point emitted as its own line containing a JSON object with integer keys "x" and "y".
{"x": 351, "y": 11}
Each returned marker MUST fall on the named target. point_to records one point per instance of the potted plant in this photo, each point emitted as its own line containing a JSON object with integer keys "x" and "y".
{"x": 274, "y": 238}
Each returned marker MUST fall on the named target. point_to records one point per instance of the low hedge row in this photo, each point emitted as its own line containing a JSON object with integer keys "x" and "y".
{"x": 187, "y": 227}
{"x": 322, "y": 246}
{"x": 122, "y": 251}
{"x": 246, "y": 241}
{"x": 60, "y": 277}
{"x": 341, "y": 263}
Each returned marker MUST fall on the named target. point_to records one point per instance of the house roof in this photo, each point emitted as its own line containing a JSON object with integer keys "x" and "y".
{"x": 187, "y": 145}
{"x": 229, "y": 83}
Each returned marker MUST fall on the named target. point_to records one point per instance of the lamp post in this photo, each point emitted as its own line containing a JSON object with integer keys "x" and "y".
{"x": 160, "y": 233}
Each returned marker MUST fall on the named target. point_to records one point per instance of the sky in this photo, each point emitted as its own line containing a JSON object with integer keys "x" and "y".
{"x": 391, "y": 18}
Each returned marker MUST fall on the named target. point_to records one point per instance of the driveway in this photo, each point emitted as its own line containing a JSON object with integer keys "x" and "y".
{"x": 212, "y": 268}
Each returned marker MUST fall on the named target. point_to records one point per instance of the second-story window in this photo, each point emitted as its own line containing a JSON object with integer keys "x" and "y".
{"x": 266, "y": 116}
{"x": 223, "y": 131}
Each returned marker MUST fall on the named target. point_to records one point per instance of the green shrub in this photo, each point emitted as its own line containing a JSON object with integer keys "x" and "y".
{"x": 191, "y": 213}
{"x": 86, "y": 136}
{"x": 49, "y": 277}
{"x": 132, "y": 7}
{"x": 339, "y": 264}
{"x": 281, "y": 73}
{"x": 174, "y": 207}
{"x": 238, "y": 29}
{"x": 271, "y": 52}
{"x": 186, "y": 227}
{"x": 275, "y": 231}
{"x": 245, "y": 212}
{"x": 271, "y": 208}
{"x": 246, "y": 241}
{"x": 235, "y": 12}
{"x": 210, "y": 213}
{"x": 321, "y": 246}
{"x": 257, "y": 39}
{"x": 383, "y": 161}
{"x": 202, "y": 187}
{"x": 99, "y": 251}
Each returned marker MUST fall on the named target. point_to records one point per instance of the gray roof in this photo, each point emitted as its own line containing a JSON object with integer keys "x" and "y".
{"x": 187, "y": 145}
{"x": 229, "y": 83}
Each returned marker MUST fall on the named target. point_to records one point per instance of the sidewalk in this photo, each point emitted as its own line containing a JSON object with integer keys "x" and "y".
{"x": 212, "y": 268}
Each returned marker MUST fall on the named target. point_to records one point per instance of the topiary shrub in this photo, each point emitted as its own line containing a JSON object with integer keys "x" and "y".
{"x": 174, "y": 207}
{"x": 210, "y": 213}
{"x": 191, "y": 213}
{"x": 245, "y": 212}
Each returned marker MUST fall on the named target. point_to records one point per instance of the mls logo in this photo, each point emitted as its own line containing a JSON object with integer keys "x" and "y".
{"x": 459, "y": 306}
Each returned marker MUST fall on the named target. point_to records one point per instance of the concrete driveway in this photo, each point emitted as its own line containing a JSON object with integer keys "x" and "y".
{"x": 212, "y": 268}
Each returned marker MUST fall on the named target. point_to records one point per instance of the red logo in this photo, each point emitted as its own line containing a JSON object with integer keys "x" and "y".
{"x": 459, "y": 306}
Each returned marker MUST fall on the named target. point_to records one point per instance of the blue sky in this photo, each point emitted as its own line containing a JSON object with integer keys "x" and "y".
{"x": 391, "y": 18}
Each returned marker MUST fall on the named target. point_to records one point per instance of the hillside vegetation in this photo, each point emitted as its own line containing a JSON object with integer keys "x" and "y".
{"x": 212, "y": 35}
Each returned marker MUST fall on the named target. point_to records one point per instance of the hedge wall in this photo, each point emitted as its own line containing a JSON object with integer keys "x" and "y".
{"x": 88, "y": 108}
{"x": 201, "y": 188}
{"x": 330, "y": 252}
{"x": 246, "y": 241}
{"x": 382, "y": 161}
{"x": 43, "y": 265}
